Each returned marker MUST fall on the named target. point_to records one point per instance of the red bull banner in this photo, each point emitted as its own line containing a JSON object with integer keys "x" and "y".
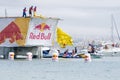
{"x": 13, "y": 31}
{"x": 26, "y": 31}
{"x": 41, "y": 31}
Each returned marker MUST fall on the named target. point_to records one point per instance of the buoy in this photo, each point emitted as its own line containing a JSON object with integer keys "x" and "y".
{"x": 29, "y": 56}
{"x": 55, "y": 57}
{"x": 11, "y": 55}
{"x": 87, "y": 57}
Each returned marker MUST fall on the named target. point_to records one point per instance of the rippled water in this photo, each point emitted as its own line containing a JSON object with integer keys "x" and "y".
{"x": 107, "y": 68}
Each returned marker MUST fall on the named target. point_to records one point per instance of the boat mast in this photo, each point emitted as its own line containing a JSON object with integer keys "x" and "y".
{"x": 5, "y": 13}
{"x": 114, "y": 24}
{"x": 112, "y": 29}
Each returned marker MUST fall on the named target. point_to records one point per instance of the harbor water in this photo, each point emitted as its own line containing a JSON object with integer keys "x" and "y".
{"x": 106, "y": 68}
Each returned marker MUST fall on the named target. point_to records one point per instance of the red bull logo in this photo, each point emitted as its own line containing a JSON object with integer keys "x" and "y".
{"x": 11, "y": 32}
{"x": 41, "y": 35}
{"x": 42, "y": 27}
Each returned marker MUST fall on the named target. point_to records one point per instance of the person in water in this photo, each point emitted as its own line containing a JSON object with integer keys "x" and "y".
{"x": 91, "y": 48}
{"x": 65, "y": 53}
{"x": 75, "y": 49}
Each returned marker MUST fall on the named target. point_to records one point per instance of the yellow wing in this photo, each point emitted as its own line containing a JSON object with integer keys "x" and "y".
{"x": 63, "y": 39}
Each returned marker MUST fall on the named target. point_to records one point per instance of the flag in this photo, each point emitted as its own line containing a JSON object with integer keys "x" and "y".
{"x": 63, "y": 39}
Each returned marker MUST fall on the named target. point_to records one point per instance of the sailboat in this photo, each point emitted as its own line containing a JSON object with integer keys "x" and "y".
{"x": 111, "y": 48}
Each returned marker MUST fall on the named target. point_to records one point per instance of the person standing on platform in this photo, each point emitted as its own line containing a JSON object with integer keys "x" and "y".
{"x": 24, "y": 12}
{"x": 30, "y": 11}
{"x": 34, "y": 11}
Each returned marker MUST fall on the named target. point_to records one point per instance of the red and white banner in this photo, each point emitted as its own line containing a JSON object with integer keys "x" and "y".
{"x": 21, "y": 31}
{"x": 41, "y": 32}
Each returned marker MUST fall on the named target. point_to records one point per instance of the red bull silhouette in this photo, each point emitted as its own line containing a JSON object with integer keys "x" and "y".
{"x": 42, "y": 27}
{"x": 11, "y": 32}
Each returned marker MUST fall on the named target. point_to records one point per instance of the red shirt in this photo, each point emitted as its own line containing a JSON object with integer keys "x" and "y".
{"x": 24, "y": 10}
{"x": 31, "y": 8}
{"x": 34, "y": 9}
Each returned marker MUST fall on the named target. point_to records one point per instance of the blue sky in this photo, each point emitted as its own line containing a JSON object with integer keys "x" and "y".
{"x": 81, "y": 18}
